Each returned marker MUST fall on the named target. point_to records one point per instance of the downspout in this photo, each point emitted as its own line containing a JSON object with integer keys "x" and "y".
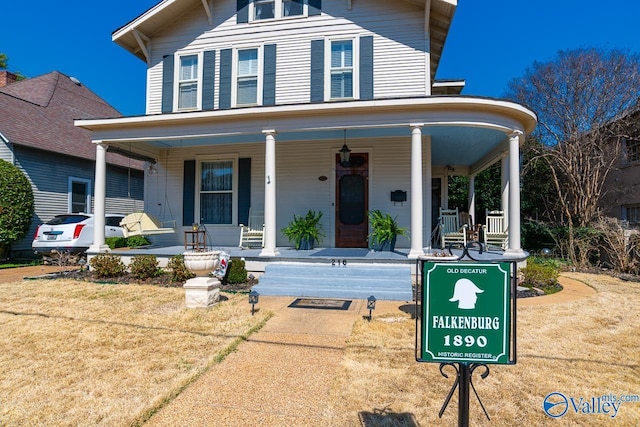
{"x": 8, "y": 143}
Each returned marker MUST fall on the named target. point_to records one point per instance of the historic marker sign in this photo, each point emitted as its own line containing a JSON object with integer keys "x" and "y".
{"x": 466, "y": 312}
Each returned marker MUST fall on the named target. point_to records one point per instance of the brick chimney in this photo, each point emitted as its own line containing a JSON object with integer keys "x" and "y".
{"x": 7, "y": 77}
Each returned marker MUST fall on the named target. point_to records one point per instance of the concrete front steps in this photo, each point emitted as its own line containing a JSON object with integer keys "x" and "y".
{"x": 353, "y": 281}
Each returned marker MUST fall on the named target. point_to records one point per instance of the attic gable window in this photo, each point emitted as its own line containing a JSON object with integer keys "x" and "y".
{"x": 261, "y": 10}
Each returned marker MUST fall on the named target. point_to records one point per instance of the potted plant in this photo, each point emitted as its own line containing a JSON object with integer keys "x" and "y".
{"x": 384, "y": 230}
{"x": 304, "y": 231}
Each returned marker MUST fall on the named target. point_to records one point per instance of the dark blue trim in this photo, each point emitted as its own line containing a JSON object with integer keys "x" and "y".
{"x": 208, "y": 79}
{"x": 189, "y": 192}
{"x": 366, "y": 67}
{"x": 317, "y": 70}
{"x": 269, "y": 81}
{"x": 244, "y": 189}
{"x": 167, "y": 83}
{"x": 226, "y": 59}
{"x": 315, "y": 7}
{"x": 242, "y": 8}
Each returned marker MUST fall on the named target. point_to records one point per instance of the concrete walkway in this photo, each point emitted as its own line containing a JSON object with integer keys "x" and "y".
{"x": 281, "y": 376}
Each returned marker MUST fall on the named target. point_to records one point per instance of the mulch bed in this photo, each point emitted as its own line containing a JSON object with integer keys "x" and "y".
{"x": 163, "y": 280}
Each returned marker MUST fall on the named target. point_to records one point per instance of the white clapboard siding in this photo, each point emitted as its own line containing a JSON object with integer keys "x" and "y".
{"x": 297, "y": 178}
{"x": 398, "y": 39}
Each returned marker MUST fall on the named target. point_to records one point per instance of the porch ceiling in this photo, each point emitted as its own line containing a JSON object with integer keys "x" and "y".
{"x": 464, "y": 131}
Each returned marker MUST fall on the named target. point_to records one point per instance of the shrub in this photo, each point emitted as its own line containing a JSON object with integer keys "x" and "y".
{"x": 178, "y": 271}
{"x": 136, "y": 241}
{"x": 107, "y": 265}
{"x": 540, "y": 274}
{"x": 16, "y": 204}
{"x": 237, "y": 272}
{"x": 144, "y": 267}
{"x": 116, "y": 242}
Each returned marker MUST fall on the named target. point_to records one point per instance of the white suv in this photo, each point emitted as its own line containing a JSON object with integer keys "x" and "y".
{"x": 72, "y": 233}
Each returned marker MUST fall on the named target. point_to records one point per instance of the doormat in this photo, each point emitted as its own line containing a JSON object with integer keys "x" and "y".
{"x": 342, "y": 252}
{"x": 321, "y": 303}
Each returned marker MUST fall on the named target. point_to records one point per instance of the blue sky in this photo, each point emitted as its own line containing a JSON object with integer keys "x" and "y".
{"x": 490, "y": 42}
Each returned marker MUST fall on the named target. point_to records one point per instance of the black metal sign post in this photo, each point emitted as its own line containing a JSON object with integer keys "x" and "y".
{"x": 466, "y": 315}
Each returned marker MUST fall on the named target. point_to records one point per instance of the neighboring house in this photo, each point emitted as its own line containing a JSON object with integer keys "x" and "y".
{"x": 249, "y": 103}
{"x": 37, "y": 134}
{"x": 621, "y": 192}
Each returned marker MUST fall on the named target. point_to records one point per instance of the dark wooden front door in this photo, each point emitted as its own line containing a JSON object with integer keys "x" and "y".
{"x": 352, "y": 201}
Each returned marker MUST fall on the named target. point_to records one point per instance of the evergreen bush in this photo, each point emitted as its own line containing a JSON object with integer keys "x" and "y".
{"x": 107, "y": 265}
{"x": 144, "y": 267}
{"x": 16, "y": 205}
{"x": 237, "y": 272}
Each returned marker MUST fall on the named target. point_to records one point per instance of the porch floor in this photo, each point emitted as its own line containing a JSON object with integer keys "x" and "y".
{"x": 255, "y": 262}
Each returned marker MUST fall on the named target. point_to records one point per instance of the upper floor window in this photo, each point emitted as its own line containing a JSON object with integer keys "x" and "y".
{"x": 247, "y": 77}
{"x": 188, "y": 82}
{"x": 632, "y": 147}
{"x": 341, "y": 75}
{"x": 272, "y": 9}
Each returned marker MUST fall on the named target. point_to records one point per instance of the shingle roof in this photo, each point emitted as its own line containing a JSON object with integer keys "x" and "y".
{"x": 39, "y": 113}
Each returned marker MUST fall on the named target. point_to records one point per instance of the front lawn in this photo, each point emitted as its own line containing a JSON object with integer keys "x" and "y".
{"x": 80, "y": 353}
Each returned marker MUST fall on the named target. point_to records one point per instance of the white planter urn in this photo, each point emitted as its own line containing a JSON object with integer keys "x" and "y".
{"x": 202, "y": 290}
{"x": 201, "y": 263}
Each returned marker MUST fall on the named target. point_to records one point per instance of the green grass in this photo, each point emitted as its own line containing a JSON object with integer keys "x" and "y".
{"x": 14, "y": 264}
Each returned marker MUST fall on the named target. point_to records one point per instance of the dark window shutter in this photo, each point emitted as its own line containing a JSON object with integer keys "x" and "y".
{"x": 189, "y": 192}
{"x": 208, "y": 79}
{"x": 244, "y": 190}
{"x": 167, "y": 84}
{"x": 269, "y": 81}
{"x": 366, "y": 67}
{"x": 242, "y": 15}
{"x": 226, "y": 58}
{"x": 315, "y": 7}
{"x": 317, "y": 70}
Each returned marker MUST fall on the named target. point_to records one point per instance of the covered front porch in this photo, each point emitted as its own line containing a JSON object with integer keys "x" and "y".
{"x": 284, "y": 160}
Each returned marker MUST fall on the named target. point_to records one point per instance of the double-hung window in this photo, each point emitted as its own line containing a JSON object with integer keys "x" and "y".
{"x": 247, "y": 77}
{"x": 217, "y": 183}
{"x": 274, "y": 9}
{"x": 188, "y": 82}
{"x": 632, "y": 147}
{"x": 341, "y": 66}
{"x": 79, "y": 195}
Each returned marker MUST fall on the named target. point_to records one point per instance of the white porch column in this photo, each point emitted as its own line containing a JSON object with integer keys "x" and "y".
{"x": 472, "y": 198}
{"x": 99, "y": 194}
{"x": 505, "y": 176}
{"x": 416, "y": 191}
{"x": 428, "y": 178}
{"x": 514, "y": 195}
{"x": 269, "y": 194}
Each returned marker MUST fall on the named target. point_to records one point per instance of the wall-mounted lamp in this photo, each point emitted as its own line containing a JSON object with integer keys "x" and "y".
{"x": 345, "y": 153}
{"x": 371, "y": 305}
{"x": 253, "y": 300}
{"x": 151, "y": 168}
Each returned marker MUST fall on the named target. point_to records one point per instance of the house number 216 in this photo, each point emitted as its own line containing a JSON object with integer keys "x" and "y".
{"x": 339, "y": 262}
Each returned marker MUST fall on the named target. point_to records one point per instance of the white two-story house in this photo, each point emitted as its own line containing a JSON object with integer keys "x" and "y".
{"x": 249, "y": 103}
